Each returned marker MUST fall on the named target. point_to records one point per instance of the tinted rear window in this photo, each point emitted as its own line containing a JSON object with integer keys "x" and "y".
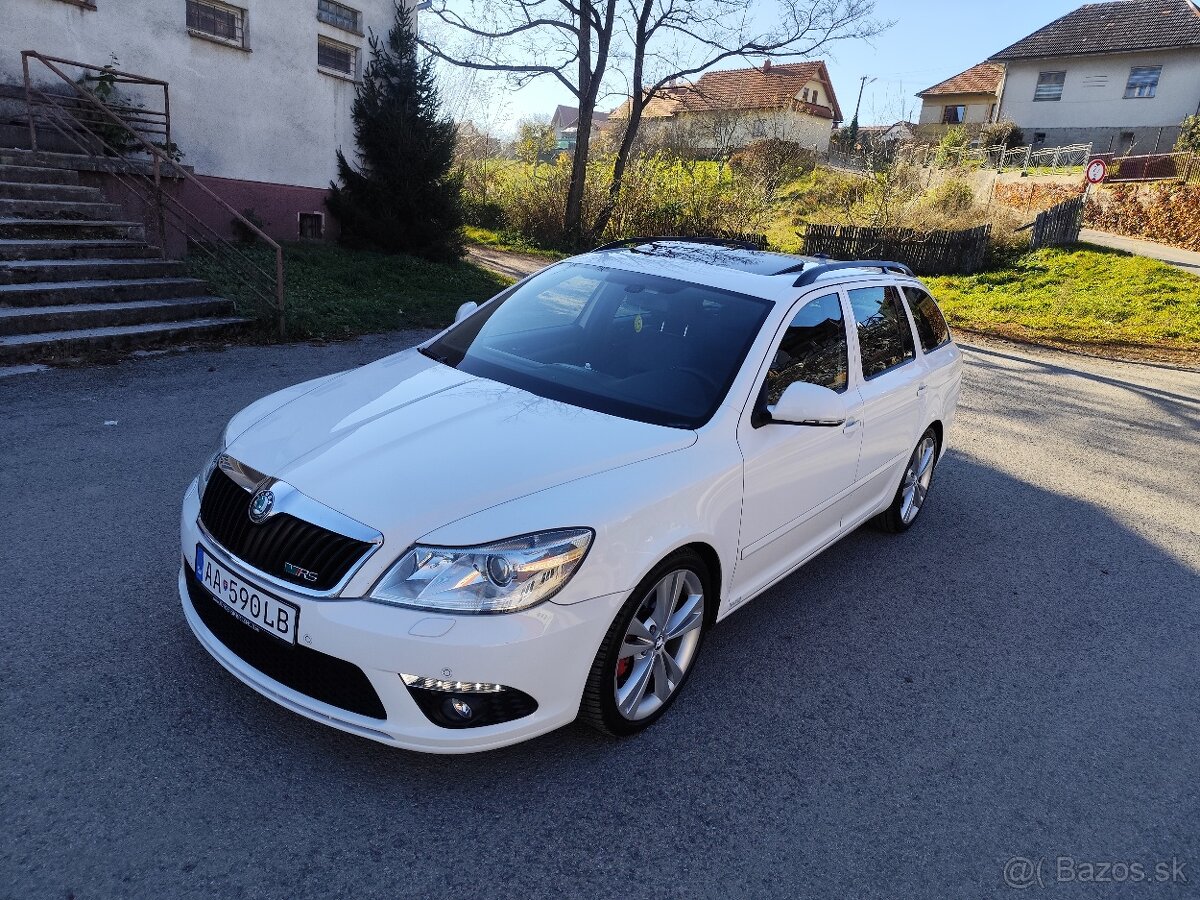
{"x": 931, "y": 324}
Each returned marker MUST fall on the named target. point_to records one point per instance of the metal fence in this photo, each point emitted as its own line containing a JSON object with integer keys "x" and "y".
{"x": 1032, "y": 159}
{"x": 1152, "y": 167}
{"x": 925, "y": 252}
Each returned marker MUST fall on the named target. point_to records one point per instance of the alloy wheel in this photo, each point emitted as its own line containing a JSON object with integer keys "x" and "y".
{"x": 660, "y": 644}
{"x": 917, "y": 476}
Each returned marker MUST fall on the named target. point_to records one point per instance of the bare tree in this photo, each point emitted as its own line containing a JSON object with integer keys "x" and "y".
{"x": 569, "y": 40}
{"x": 675, "y": 39}
{"x": 656, "y": 43}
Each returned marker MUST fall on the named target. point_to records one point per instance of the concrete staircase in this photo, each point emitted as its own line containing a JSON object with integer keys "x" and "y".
{"x": 77, "y": 280}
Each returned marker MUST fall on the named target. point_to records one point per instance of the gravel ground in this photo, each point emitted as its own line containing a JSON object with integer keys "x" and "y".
{"x": 1015, "y": 677}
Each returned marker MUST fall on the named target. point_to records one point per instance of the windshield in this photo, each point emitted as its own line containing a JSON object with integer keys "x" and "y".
{"x": 637, "y": 346}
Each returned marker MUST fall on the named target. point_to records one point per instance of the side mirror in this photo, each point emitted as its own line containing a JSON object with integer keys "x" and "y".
{"x": 808, "y": 404}
{"x": 465, "y": 310}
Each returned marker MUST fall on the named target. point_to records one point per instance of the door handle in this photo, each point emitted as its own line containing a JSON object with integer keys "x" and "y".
{"x": 850, "y": 425}
{"x": 921, "y": 389}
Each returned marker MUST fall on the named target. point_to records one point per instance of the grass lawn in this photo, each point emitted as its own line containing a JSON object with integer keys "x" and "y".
{"x": 1082, "y": 296}
{"x": 507, "y": 240}
{"x": 333, "y": 292}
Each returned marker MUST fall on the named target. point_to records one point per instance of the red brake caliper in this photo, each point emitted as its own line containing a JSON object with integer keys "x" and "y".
{"x": 623, "y": 666}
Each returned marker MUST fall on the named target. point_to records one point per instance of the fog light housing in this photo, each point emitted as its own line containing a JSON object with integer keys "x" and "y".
{"x": 467, "y": 704}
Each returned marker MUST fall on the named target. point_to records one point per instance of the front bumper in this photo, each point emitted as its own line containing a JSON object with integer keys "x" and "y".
{"x": 545, "y": 652}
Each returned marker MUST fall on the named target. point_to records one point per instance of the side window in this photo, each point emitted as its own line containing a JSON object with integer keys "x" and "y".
{"x": 813, "y": 350}
{"x": 884, "y": 337}
{"x": 931, "y": 324}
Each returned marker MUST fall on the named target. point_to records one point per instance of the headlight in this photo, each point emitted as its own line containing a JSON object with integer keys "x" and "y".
{"x": 210, "y": 464}
{"x": 505, "y": 576}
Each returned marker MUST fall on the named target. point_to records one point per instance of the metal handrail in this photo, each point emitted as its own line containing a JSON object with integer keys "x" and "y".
{"x": 157, "y": 156}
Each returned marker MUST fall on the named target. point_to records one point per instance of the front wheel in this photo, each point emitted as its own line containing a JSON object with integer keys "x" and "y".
{"x": 914, "y": 486}
{"x": 650, "y": 649}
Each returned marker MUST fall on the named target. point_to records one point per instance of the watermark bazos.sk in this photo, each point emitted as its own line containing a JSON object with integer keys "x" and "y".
{"x": 1022, "y": 872}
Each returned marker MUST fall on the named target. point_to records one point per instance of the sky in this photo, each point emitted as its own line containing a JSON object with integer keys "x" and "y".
{"x": 930, "y": 41}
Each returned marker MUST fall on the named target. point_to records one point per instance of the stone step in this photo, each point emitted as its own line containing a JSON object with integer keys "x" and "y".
{"x": 100, "y": 291}
{"x": 70, "y": 229}
{"x": 32, "y": 190}
{"x": 39, "y": 250}
{"x": 43, "y": 270}
{"x": 15, "y": 156}
{"x": 79, "y": 316}
{"x": 38, "y": 174}
{"x": 60, "y": 345}
{"x": 58, "y": 209}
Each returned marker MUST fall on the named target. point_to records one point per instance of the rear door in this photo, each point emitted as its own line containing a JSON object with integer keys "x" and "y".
{"x": 892, "y": 388}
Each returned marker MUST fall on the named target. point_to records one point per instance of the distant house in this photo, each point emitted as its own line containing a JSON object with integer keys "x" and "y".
{"x": 730, "y": 108}
{"x": 969, "y": 98}
{"x": 1117, "y": 75}
{"x": 884, "y": 135}
{"x": 565, "y": 123}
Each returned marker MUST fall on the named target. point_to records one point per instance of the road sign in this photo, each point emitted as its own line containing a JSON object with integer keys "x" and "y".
{"x": 1097, "y": 171}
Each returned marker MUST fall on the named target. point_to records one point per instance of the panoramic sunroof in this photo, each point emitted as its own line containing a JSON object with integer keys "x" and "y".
{"x": 753, "y": 262}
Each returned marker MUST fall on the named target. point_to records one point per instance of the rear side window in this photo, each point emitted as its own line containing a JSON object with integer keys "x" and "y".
{"x": 884, "y": 336}
{"x": 813, "y": 350}
{"x": 931, "y": 324}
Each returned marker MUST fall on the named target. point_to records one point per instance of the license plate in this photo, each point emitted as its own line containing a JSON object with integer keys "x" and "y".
{"x": 276, "y": 617}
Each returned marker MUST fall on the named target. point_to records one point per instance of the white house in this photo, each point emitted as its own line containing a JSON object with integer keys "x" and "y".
{"x": 1119, "y": 75}
{"x": 260, "y": 90}
{"x": 730, "y": 108}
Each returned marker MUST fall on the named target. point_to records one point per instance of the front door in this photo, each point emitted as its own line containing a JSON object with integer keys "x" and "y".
{"x": 794, "y": 475}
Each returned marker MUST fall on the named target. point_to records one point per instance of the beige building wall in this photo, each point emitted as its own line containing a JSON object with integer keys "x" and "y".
{"x": 728, "y": 129}
{"x": 980, "y": 108}
{"x": 264, "y": 113}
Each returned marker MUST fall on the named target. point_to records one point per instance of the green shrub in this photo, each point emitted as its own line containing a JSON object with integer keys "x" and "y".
{"x": 951, "y": 196}
{"x": 772, "y": 162}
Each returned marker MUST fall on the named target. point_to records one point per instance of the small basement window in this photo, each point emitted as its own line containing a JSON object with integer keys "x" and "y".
{"x": 339, "y": 16}
{"x": 337, "y": 59}
{"x": 312, "y": 226}
{"x": 217, "y": 21}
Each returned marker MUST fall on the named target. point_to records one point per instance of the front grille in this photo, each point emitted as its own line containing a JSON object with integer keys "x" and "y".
{"x": 312, "y": 673}
{"x": 280, "y": 539}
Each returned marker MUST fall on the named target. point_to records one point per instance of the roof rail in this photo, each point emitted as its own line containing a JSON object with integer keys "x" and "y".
{"x": 808, "y": 276}
{"x": 732, "y": 243}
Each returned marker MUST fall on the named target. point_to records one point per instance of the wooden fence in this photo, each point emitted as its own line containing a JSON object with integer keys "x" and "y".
{"x": 925, "y": 252}
{"x": 1059, "y": 225}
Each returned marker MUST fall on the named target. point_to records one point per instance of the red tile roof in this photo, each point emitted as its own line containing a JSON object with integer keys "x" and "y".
{"x": 984, "y": 78}
{"x": 769, "y": 87}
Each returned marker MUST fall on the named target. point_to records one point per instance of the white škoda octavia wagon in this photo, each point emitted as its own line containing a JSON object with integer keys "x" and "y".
{"x": 538, "y": 514}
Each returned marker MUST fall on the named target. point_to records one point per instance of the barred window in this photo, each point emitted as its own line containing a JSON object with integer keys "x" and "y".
{"x": 211, "y": 19}
{"x": 341, "y": 59}
{"x": 1143, "y": 82}
{"x": 1050, "y": 86}
{"x": 339, "y": 16}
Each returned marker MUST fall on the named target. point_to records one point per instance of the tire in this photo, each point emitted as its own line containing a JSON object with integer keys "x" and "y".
{"x": 613, "y": 675}
{"x": 914, "y": 486}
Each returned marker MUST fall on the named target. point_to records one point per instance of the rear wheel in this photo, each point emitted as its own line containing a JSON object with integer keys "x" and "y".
{"x": 914, "y": 486}
{"x": 650, "y": 649}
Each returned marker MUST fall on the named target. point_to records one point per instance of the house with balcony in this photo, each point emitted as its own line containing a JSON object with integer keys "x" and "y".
{"x": 1120, "y": 75}
{"x": 729, "y": 108}
{"x": 969, "y": 98}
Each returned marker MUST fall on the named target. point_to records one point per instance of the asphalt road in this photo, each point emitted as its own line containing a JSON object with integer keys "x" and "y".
{"x": 1015, "y": 677}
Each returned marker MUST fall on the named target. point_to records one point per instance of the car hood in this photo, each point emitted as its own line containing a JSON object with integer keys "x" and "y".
{"x": 406, "y": 445}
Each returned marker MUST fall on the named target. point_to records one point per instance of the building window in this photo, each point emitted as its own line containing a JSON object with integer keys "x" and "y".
{"x": 339, "y": 16}
{"x": 1143, "y": 82}
{"x": 217, "y": 21}
{"x": 804, "y": 95}
{"x": 337, "y": 59}
{"x": 953, "y": 115}
{"x": 312, "y": 226}
{"x": 816, "y": 96}
{"x": 1050, "y": 86}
